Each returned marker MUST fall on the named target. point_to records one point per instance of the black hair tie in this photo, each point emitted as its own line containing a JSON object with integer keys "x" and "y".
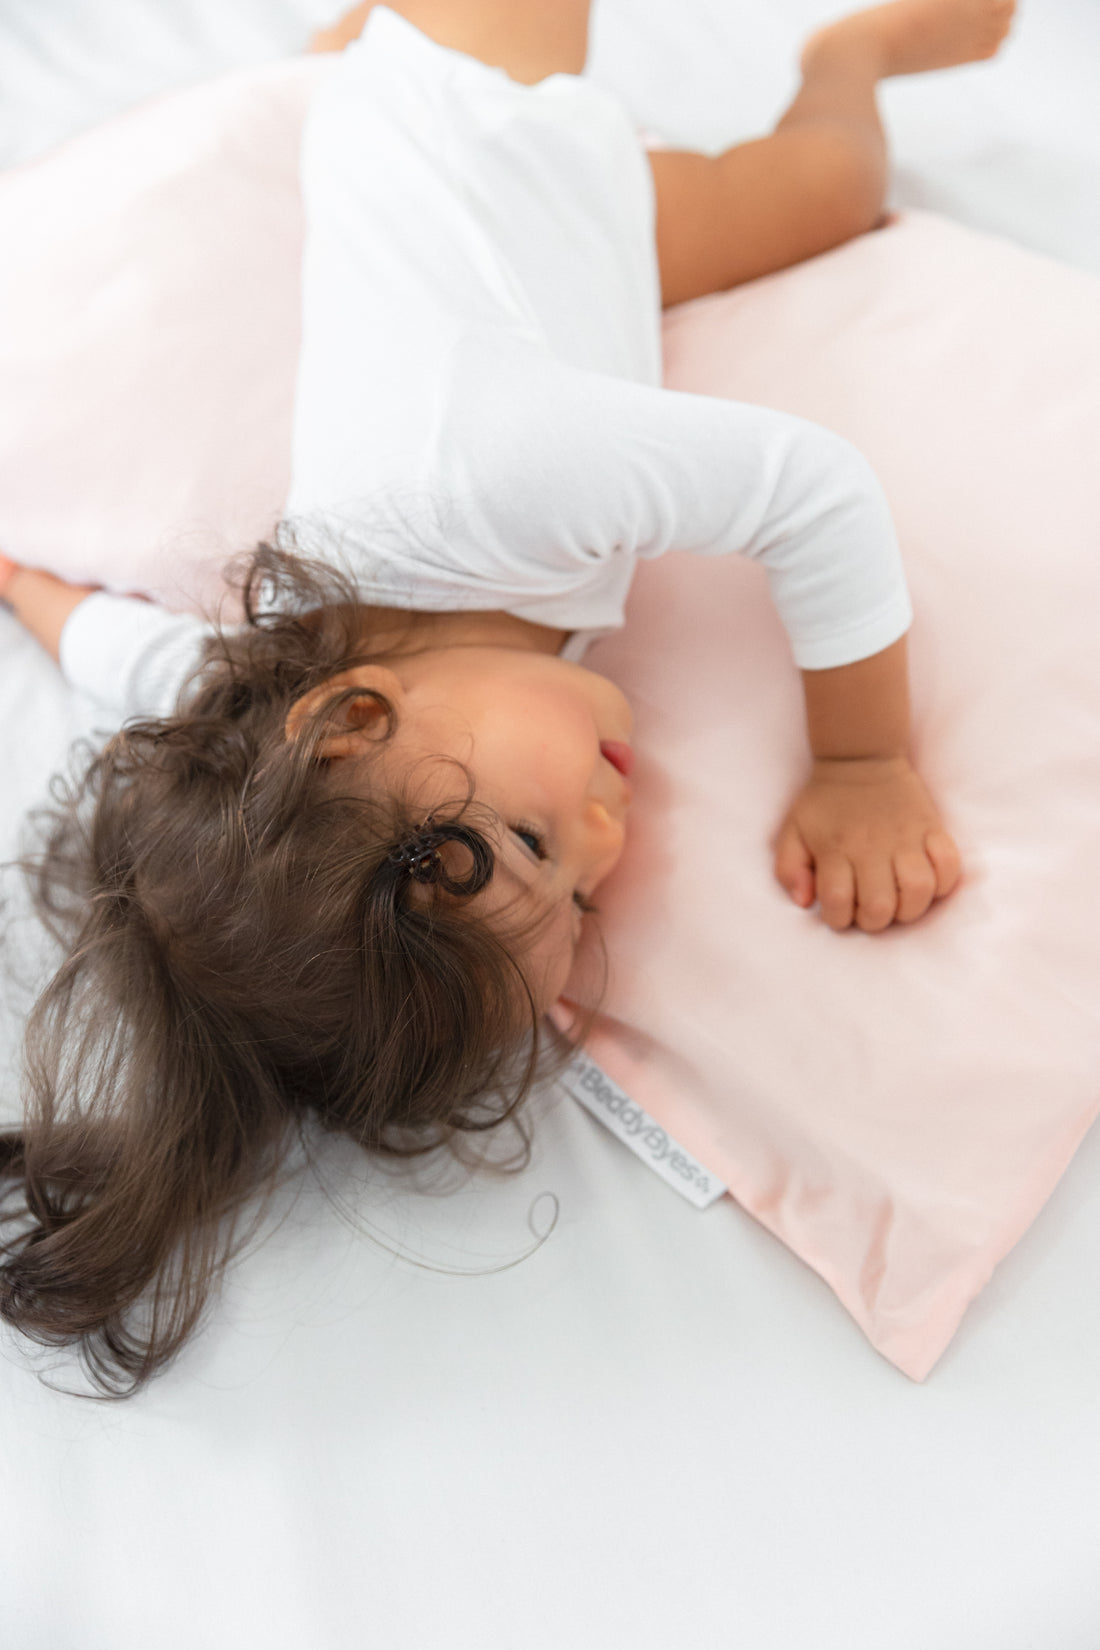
{"x": 418, "y": 857}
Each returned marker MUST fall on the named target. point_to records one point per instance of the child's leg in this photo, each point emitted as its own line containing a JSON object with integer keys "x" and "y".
{"x": 528, "y": 39}
{"x": 821, "y": 177}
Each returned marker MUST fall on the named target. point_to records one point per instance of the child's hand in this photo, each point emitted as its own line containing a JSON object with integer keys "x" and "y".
{"x": 865, "y": 838}
{"x": 40, "y": 601}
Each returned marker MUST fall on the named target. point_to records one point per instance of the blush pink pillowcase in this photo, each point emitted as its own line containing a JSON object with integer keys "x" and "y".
{"x": 895, "y": 1108}
{"x": 149, "y": 331}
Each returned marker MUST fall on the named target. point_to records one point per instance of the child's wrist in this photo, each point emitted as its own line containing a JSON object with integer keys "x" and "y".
{"x": 861, "y": 770}
{"x": 891, "y": 758}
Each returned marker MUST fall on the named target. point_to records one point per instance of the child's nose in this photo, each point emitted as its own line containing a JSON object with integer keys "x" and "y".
{"x": 605, "y": 835}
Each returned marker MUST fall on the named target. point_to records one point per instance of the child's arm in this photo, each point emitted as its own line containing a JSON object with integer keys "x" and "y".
{"x": 864, "y": 836}
{"x": 127, "y": 655}
{"x": 40, "y": 602}
{"x": 644, "y": 470}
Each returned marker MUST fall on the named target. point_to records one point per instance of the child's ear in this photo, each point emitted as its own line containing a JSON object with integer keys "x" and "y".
{"x": 356, "y": 719}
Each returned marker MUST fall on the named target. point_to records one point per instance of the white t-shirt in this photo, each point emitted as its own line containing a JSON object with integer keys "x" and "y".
{"x": 479, "y": 421}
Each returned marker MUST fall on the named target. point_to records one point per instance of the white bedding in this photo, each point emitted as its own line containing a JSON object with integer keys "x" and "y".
{"x": 659, "y": 1428}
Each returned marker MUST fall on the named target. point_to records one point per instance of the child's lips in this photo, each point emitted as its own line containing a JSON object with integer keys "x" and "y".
{"x": 620, "y": 756}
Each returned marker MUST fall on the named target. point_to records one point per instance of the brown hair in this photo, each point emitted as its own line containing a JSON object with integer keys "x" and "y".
{"x": 245, "y": 951}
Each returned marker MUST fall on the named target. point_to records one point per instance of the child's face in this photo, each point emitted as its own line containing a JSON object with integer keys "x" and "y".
{"x": 528, "y": 727}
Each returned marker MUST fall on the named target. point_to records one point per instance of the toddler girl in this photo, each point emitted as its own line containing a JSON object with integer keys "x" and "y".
{"x": 336, "y": 862}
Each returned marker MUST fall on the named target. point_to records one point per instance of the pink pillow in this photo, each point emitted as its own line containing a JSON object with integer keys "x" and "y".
{"x": 149, "y": 295}
{"x": 896, "y": 1108}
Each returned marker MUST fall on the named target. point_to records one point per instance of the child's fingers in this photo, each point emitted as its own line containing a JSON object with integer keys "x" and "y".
{"x": 916, "y": 880}
{"x": 794, "y": 865}
{"x": 836, "y": 890}
{"x": 876, "y": 894}
{"x": 925, "y": 874}
{"x": 946, "y": 861}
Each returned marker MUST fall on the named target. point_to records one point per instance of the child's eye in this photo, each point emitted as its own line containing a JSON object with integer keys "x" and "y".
{"x": 536, "y": 842}
{"x": 532, "y": 839}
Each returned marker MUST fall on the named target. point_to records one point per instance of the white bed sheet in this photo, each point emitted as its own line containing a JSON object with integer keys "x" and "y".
{"x": 659, "y": 1428}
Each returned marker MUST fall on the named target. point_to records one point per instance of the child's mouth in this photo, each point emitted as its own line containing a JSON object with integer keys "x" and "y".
{"x": 620, "y": 756}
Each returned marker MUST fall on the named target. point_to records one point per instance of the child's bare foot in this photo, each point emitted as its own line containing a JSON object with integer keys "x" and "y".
{"x": 910, "y": 36}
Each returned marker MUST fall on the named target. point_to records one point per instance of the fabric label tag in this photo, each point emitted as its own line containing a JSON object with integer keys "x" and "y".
{"x": 586, "y": 1082}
